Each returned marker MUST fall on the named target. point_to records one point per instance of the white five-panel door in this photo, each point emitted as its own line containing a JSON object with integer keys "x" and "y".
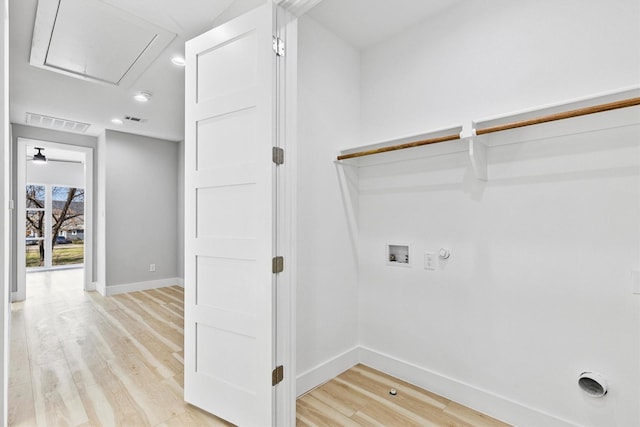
{"x": 230, "y": 213}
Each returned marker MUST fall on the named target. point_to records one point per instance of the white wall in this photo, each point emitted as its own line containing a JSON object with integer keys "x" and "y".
{"x": 538, "y": 287}
{"x": 141, "y": 198}
{"x": 328, "y": 118}
{"x": 493, "y": 57}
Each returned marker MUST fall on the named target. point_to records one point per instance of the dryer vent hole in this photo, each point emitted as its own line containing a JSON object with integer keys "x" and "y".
{"x": 592, "y": 385}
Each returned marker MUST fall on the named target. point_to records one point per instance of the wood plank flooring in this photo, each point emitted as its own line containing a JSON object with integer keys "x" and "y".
{"x": 360, "y": 397}
{"x": 80, "y": 359}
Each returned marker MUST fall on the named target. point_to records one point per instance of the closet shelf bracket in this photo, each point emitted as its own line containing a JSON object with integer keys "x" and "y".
{"x": 477, "y": 151}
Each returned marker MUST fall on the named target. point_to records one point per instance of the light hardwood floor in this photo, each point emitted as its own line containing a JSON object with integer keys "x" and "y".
{"x": 79, "y": 359}
{"x": 360, "y": 397}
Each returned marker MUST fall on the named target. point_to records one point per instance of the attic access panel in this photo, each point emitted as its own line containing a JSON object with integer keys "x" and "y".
{"x": 92, "y": 40}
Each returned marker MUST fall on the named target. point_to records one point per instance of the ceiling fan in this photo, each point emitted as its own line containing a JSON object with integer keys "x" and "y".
{"x": 41, "y": 159}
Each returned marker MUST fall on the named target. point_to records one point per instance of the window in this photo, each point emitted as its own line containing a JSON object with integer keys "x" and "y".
{"x": 52, "y": 213}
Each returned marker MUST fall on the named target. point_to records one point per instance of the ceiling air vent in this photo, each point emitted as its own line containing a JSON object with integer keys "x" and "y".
{"x": 133, "y": 119}
{"x": 55, "y": 123}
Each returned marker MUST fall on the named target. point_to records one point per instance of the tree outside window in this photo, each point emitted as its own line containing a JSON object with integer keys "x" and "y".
{"x": 67, "y": 215}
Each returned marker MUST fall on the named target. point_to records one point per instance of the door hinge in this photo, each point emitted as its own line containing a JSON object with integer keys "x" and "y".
{"x": 278, "y": 46}
{"x": 277, "y": 264}
{"x": 277, "y": 375}
{"x": 278, "y": 155}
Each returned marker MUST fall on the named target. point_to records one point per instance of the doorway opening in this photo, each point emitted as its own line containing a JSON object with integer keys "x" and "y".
{"x": 54, "y": 205}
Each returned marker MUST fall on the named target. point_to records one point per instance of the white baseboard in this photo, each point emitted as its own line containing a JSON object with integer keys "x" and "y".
{"x": 180, "y": 281}
{"x": 324, "y": 372}
{"x": 137, "y": 286}
{"x": 92, "y": 286}
{"x": 466, "y": 394}
{"x": 100, "y": 288}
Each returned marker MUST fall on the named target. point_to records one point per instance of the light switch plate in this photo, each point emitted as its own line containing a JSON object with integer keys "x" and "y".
{"x": 429, "y": 261}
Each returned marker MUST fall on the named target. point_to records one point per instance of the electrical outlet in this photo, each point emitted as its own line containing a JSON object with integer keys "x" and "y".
{"x": 152, "y": 267}
{"x": 429, "y": 261}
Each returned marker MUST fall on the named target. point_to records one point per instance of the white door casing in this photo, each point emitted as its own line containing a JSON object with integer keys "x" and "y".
{"x": 89, "y": 285}
{"x": 230, "y": 217}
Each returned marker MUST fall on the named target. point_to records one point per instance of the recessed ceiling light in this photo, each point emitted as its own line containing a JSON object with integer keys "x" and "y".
{"x": 116, "y": 121}
{"x": 178, "y": 60}
{"x": 142, "y": 96}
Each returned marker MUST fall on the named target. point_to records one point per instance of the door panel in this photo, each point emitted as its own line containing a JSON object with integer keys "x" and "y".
{"x": 236, "y": 219}
{"x": 230, "y": 140}
{"x": 232, "y": 290}
{"x": 229, "y": 220}
{"x": 234, "y": 64}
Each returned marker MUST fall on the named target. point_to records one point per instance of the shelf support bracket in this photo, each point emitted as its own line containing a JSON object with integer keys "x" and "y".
{"x": 477, "y": 151}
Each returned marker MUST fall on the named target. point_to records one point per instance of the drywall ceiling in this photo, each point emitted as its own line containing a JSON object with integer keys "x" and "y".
{"x": 364, "y": 23}
{"x": 39, "y": 91}
{"x": 35, "y": 90}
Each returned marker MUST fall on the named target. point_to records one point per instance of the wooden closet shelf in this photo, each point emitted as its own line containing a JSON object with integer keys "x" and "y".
{"x": 563, "y": 115}
{"x": 400, "y": 146}
{"x": 630, "y": 102}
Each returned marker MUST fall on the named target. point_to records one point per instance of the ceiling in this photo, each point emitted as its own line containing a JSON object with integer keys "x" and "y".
{"x": 40, "y": 91}
{"x": 365, "y": 23}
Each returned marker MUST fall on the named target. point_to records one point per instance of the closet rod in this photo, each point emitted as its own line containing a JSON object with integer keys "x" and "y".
{"x": 538, "y": 120}
{"x": 400, "y": 146}
{"x": 563, "y": 115}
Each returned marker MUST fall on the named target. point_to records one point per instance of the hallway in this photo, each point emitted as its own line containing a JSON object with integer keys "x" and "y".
{"x": 78, "y": 358}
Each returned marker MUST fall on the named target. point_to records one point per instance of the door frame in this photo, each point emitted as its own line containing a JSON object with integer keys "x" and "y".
{"x": 287, "y": 106}
{"x": 21, "y": 182}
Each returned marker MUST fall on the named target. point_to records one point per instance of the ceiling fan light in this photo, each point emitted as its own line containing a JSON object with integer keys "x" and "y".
{"x": 39, "y": 158}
